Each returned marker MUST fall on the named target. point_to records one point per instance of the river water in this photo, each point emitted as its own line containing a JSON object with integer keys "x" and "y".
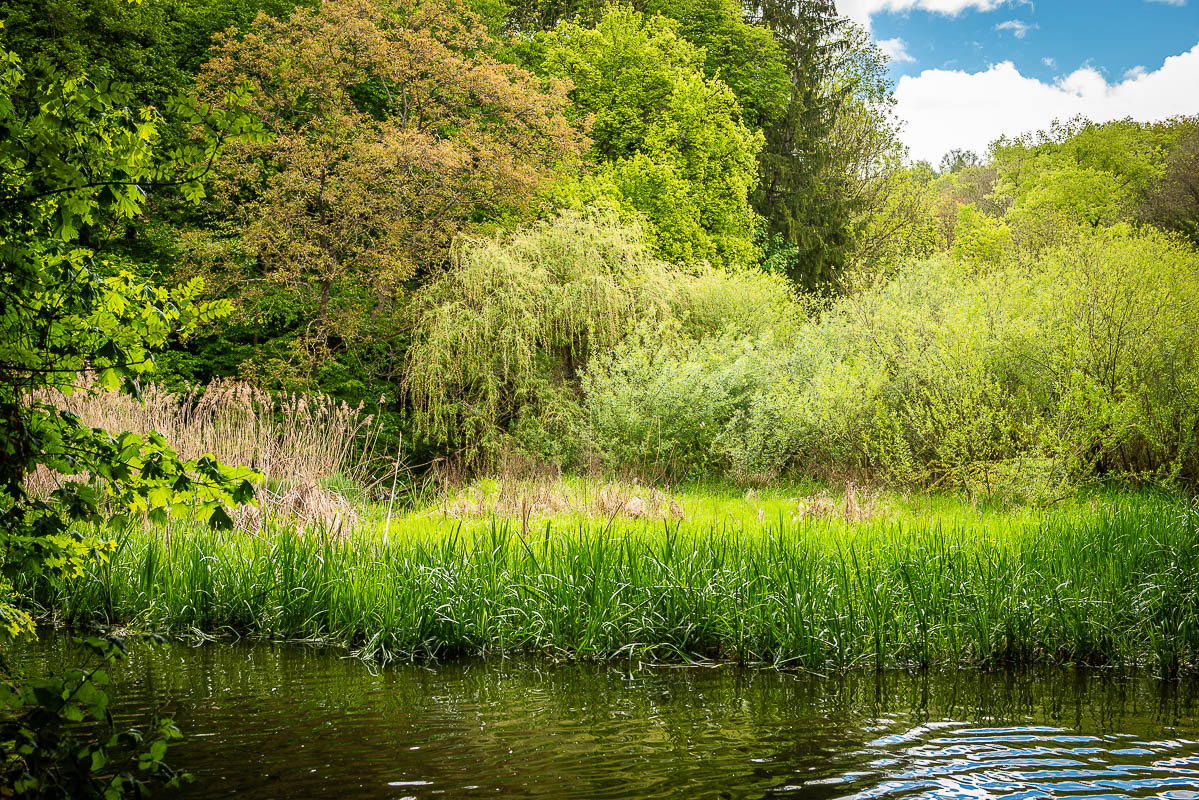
{"x": 282, "y": 721}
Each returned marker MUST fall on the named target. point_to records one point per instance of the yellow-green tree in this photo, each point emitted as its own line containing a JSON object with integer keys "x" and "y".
{"x": 394, "y": 128}
{"x": 668, "y": 142}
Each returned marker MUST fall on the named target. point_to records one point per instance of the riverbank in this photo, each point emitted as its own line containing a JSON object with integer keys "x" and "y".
{"x": 1113, "y": 579}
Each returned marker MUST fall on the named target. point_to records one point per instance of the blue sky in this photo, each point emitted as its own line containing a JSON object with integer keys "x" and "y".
{"x": 1113, "y": 36}
{"x": 970, "y": 70}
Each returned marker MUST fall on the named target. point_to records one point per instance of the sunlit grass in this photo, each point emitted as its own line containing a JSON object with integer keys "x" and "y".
{"x": 1101, "y": 580}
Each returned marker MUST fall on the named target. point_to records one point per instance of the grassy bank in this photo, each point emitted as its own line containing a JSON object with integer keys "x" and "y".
{"x": 1113, "y": 579}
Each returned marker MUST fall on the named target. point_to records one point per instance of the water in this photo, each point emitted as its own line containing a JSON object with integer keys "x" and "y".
{"x": 267, "y": 721}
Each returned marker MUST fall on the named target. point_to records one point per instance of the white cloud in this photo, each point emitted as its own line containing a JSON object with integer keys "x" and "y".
{"x": 1169, "y": 2}
{"x": 944, "y": 109}
{"x": 1018, "y": 28}
{"x": 1049, "y": 62}
{"x": 860, "y": 11}
{"x": 896, "y": 49}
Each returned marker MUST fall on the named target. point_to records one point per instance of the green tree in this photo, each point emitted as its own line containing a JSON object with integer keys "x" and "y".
{"x": 668, "y": 142}
{"x": 154, "y": 47}
{"x": 394, "y": 129}
{"x": 74, "y": 158}
{"x": 500, "y": 336}
{"x": 810, "y": 190}
{"x": 1078, "y": 172}
{"x": 746, "y": 57}
{"x": 1174, "y": 203}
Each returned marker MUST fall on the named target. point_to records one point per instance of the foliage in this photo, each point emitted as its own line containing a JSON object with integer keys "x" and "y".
{"x": 827, "y": 168}
{"x": 747, "y": 57}
{"x": 154, "y": 47}
{"x": 37, "y": 718}
{"x": 393, "y": 129}
{"x": 1107, "y": 580}
{"x": 1007, "y": 376}
{"x": 74, "y": 158}
{"x": 1174, "y": 203}
{"x": 662, "y": 408}
{"x": 516, "y": 315}
{"x": 979, "y": 239}
{"x": 669, "y": 142}
{"x": 793, "y": 193}
{"x": 1080, "y": 172}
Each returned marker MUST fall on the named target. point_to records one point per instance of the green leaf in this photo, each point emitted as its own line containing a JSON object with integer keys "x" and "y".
{"x": 220, "y": 519}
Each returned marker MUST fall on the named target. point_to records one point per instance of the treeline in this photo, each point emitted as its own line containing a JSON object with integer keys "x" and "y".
{"x": 678, "y": 239}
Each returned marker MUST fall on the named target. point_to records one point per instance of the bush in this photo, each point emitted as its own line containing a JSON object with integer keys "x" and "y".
{"x": 1001, "y": 375}
{"x": 662, "y": 406}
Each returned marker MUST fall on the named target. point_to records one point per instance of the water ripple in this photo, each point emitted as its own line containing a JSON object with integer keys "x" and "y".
{"x": 278, "y": 722}
{"x": 1021, "y": 763}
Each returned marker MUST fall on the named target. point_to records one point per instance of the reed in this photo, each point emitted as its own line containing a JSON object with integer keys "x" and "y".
{"x": 1116, "y": 583}
{"x": 300, "y": 443}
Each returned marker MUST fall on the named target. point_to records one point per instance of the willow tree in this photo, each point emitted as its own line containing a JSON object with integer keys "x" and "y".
{"x": 500, "y": 337}
{"x": 394, "y": 128}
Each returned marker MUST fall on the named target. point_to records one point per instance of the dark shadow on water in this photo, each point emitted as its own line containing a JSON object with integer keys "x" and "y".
{"x": 266, "y": 721}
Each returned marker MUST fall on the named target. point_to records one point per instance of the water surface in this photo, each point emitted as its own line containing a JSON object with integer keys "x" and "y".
{"x": 279, "y": 721}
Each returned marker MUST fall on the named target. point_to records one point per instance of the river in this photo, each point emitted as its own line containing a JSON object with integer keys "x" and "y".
{"x": 282, "y": 721}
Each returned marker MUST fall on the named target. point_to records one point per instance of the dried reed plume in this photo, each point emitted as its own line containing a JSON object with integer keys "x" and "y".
{"x": 297, "y": 442}
{"x": 526, "y": 499}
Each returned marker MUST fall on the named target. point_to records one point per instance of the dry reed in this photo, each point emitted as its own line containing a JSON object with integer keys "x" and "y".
{"x": 298, "y": 442}
{"x": 532, "y": 498}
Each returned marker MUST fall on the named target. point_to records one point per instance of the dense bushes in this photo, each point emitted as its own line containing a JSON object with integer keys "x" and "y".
{"x": 1033, "y": 374}
{"x": 501, "y": 338}
{"x": 990, "y": 368}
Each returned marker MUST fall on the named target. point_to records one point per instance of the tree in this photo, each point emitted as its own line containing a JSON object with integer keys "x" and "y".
{"x": 500, "y": 336}
{"x": 668, "y": 142}
{"x": 748, "y": 58}
{"x": 393, "y": 129}
{"x": 153, "y": 47}
{"x": 801, "y": 192}
{"x": 1174, "y": 203}
{"x": 959, "y": 159}
{"x": 1079, "y": 172}
{"x": 74, "y": 158}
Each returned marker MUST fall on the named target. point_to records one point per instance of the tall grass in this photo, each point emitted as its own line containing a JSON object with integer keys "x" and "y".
{"x": 1117, "y": 585}
{"x": 302, "y": 444}
{"x": 289, "y": 438}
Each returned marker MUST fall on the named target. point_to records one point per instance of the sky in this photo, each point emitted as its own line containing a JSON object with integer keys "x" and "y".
{"x": 969, "y": 71}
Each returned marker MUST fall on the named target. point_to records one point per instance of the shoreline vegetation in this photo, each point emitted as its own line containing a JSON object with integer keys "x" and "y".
{"x": 921, "y": 581}
{"x": 350, "y": 548}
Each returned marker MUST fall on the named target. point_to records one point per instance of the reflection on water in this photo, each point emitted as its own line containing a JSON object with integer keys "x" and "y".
{"x": 286, "y": 721}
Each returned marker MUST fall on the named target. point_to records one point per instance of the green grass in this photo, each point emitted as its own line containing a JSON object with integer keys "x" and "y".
{"x": 720, "y": 505}
{"x": 1110, "y": 579}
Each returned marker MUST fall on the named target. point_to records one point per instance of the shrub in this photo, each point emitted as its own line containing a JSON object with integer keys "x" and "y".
{"x": 662, "y": 405}
{"x": 1004, "y": 376}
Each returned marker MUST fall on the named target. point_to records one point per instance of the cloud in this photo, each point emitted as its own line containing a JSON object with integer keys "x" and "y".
{"x": 897, "y": 50}
{"x": 1049, "y": 62}
{"x": 1018, "y": 28}
{"x": 861, "y": 11}
{"x": 944, "y": 109}
{"x": 1169, "y": 2}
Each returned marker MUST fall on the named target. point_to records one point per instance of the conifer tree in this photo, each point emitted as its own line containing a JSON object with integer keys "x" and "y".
{"x": 800, "y": 195}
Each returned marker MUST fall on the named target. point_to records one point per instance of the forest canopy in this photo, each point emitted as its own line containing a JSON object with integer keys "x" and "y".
{"x": 675, "y": 238}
